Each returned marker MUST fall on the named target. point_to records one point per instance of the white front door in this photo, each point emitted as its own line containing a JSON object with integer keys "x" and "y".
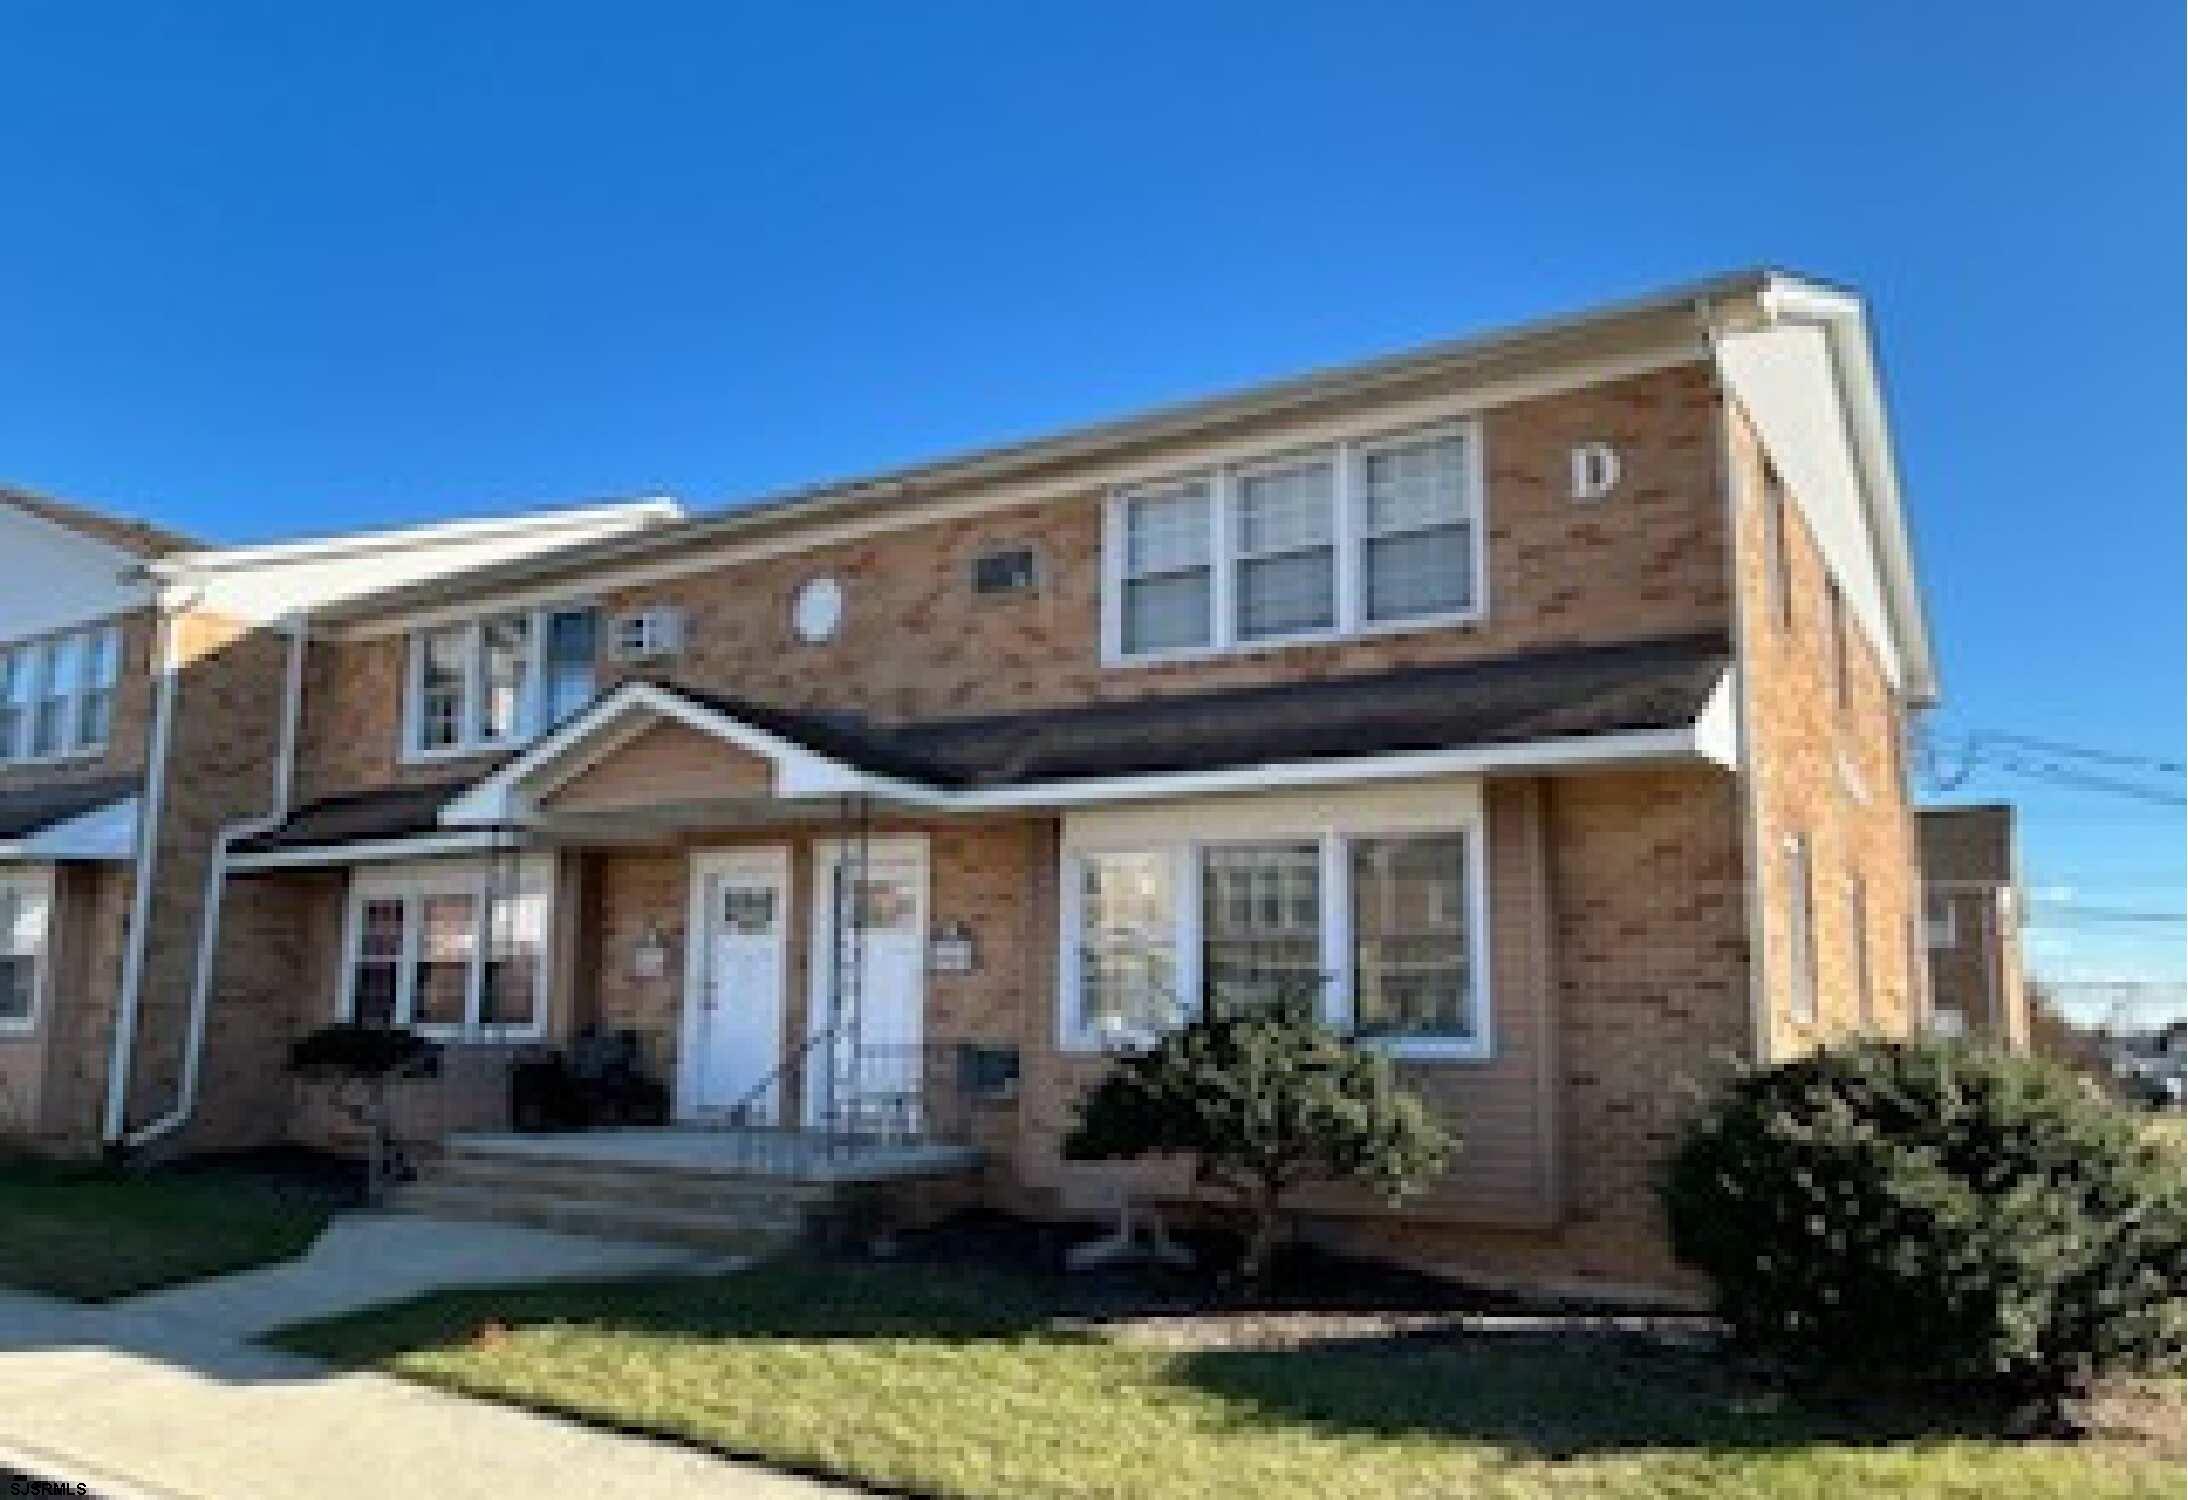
{"x": 869, "y": 975}
{"x": 733, "y": 1031}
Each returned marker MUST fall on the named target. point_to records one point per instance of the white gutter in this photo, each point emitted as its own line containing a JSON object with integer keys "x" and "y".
{"x": 216, "y": 884}
{"x": 147, "y": 845}
{"x": 374, "y": 851}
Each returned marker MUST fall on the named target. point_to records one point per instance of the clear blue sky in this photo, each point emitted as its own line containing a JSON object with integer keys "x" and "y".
{"x": 278, "y": 268}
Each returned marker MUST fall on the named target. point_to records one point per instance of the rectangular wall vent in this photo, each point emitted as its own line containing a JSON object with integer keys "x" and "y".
{"x": 642, "y": 635}
{"x": 1006, "y": 570}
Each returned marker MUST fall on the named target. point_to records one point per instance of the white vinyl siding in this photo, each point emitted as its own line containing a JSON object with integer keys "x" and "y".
{"x": 497, "y": 682}
{"x": 1352, "y": 538}
{"x": 57, "y": 694}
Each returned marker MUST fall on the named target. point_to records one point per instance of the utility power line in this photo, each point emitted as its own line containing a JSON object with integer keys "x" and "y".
{"x": 2051, "y": 910}
{"x": 2053, "y": 762}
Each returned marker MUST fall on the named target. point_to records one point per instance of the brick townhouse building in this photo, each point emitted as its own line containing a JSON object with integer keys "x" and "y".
{"x": 1537, "y": 698}
{"x": 142, "y": 684}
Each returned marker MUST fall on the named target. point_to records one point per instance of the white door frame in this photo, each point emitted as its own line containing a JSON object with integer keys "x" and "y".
{"x": 772, "y": 860}
{"x": 827, "y": 853}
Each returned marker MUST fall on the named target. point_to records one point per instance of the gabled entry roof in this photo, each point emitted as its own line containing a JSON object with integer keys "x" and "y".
{"x": 1568, "y": 708}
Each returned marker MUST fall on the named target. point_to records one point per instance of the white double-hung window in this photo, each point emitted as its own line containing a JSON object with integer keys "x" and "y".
{"x": 1286, "y": 524}
{"x": 1371, "y": 903}
{"x": 57, "y": 694}
{"x": 454, "y": 949}
{"x": 499, "y": 681}
{"x": 1353, "y": 538}
{"x": 26, "y": 902}
{"x": 1168, "y": 586}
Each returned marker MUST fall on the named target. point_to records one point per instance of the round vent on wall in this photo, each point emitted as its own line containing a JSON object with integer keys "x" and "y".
{"x": 817, "y": 611}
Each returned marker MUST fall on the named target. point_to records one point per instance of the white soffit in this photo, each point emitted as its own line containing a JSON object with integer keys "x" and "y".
{"x": 52, "y": 577}
{"x": 1783, "y": 378}
{"x": 266, "y": 582}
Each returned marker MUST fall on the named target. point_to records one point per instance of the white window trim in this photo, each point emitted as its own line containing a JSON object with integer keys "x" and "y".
{"x": 535, "y": 874}
{"x": 1334, "y": 822}
{"x": 36, "y": 885}
{"x": 1347, "y": 455}
{"x": 73, "y": 746}
{"x": 531, "y": 700}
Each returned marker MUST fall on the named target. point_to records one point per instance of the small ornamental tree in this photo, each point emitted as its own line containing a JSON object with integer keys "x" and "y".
{"x": 1934, "y": 1209}
{"x": 361, "y": 1062}
{"x": 1264, "y": 1097}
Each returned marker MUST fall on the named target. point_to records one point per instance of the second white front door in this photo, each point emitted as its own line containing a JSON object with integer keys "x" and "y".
{"x": 869, "y": 976}
{"x": 734, "y": 1024}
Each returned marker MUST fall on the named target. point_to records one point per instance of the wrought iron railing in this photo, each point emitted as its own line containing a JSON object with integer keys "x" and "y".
{"x": 843, "y": 1099}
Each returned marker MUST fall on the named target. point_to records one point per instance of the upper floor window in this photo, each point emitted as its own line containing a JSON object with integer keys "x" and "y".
{"x": 492, "y": 683}
{"x": 57, "y": 694}
{"x": 1345, "y": 540}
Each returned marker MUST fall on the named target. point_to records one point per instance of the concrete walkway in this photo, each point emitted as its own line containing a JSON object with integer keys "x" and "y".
{"x": 165, "y": 1395}
{"x": 365, "y": 1260}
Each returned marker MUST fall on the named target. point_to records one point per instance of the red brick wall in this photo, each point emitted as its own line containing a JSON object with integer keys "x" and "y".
{"x": 1830, "y": 771}
{"x": 915, "y": 642}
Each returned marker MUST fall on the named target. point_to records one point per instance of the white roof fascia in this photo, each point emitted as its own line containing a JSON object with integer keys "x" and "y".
{"x": 644, "y": 511}
{"x": 1844, "y": 319}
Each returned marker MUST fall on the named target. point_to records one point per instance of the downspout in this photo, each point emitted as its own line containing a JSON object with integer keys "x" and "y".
{"x": 167, "y": 606}
{"x": 216, "y": 886}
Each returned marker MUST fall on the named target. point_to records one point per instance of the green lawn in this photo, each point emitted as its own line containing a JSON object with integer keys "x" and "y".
{"x": 92, "y": 1234}
{"x": 948, "y": 1381}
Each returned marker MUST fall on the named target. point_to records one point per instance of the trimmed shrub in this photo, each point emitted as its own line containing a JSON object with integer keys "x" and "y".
{"x": 1932, "y": 1209}
{"x": 1264, "y": 1097}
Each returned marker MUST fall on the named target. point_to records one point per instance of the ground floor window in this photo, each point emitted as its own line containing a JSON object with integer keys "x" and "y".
{"x": 454, "y": 949}
{"x": 1260, "y": 920}
{"x": 1412, "y": 971}
{"x": 1385, "y": 925}
{"x": 26, "y": 900}
{"x": 1127, "y": 950}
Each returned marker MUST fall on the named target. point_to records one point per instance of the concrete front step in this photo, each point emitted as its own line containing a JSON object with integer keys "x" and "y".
{"x": 741, "y": 1234}
{"x": 693, "y": 1191}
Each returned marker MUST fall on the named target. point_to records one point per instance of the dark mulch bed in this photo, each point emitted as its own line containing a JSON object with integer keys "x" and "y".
{"x": 290, "y": 1176}
{"x": 1303, "y": 1278}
